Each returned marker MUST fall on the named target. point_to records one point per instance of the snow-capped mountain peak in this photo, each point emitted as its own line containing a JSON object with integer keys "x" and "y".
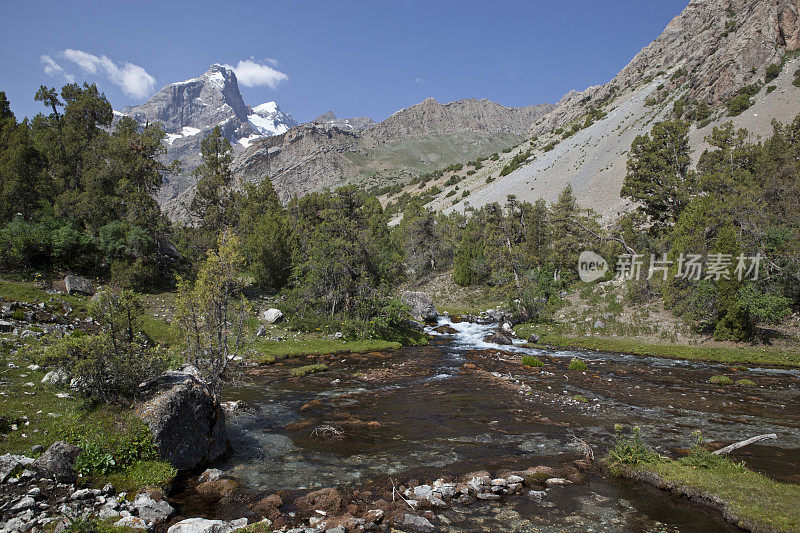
{"x": 268, "y": 119}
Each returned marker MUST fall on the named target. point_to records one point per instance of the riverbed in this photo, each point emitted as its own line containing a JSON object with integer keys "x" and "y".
{"x": 462, "y": 404}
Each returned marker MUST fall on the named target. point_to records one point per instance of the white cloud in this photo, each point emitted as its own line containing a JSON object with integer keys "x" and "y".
{"x": 52, "y": 68}
{"x": 252, "y": 74}
{"x": 132, "y": 79}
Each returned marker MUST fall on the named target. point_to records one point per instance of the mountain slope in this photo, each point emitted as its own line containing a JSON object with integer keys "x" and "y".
{"x": 329, "y": 152}
{"x": 707, "y": 53}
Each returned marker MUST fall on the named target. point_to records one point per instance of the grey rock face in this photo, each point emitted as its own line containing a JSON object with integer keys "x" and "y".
{"x": 78, "y": 285}
{"x": 187, "y": 423}
{"x": 273, "y": 315}
{"x": 57, "y": 462}
{"x": 9, "y": 462}
{"x": 421, "y": 305}
{"x": 150, "y": 510}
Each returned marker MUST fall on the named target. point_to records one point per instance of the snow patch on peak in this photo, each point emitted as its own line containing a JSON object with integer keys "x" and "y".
{"x": 266, "y": 107}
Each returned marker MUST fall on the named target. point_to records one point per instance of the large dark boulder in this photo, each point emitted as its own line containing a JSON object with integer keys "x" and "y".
{"x": 187, "y": 422}
{"x": 58, "y": 462}
{"x": 497, "y": 338}
{"x": 421, "y": 305}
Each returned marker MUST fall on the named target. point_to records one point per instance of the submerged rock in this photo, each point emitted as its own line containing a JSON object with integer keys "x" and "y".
{"x": 328, "y": 500}
{"x": 410, "y": 522}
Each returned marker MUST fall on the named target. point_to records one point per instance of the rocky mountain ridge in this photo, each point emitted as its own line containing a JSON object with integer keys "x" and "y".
{"x": 188, "y": 110}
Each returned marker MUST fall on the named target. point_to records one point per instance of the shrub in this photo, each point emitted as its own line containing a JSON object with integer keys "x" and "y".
{"x": 699, "y": 456}
{"x": 720, "y": 380}
{"x": 771, "y": 88}
{"x": 738, "y": 104}
{"x": 578, "y": 364}
{"x": 772, "y": 72}
{"x": 529, "y": 360}
{"x": 109, "y": 366}
{"x": 630, "y": 450}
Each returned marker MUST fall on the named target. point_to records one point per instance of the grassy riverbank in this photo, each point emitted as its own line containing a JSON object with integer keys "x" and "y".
{"x": 117, "y": 446}
{"x": 749, "y": 499}
{"x": 718, "y": 354}
{"x": 270, "y": 351}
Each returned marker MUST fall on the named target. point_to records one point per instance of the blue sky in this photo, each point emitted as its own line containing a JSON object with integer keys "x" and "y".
{"x": 367, "y": 58}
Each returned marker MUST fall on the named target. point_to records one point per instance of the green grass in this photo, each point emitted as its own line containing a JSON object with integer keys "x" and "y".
{"x": 270, "y": 351}
{"x": 529, "y": 360}
{"x": 308, "y": 369}
{"x": 110, "y": 432}
{"x": 27, "y": 292}
{"x": 720, "y": 380}
{"x": 578, "y": 365}
{"x": 745, "y": 383}
{"x": 766, "y": 504}
{"x": 580, "y": 398}
{"x": 722, "y": 354}
{"x": 160, "y": 331}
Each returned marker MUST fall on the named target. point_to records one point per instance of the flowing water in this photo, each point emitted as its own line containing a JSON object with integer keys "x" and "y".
{"x": 462, "y": 404}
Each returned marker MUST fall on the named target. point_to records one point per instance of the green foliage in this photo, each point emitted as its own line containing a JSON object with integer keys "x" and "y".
{"x": 308, "y": 369}
{"x": 745, "y": 383}
{"x": 529, "y": 360}
{"x": 67, "y": 175}
{"x": 515, "y": 162}
{"x": 109, "y": 366}
{"x": 720, "y": 380}
{"x": 772, "y": 72}
{"x": 212, "y": 314}
{"x": 264, "y": 230}
{"x": 578, "y": 365}
{"x": 738, "y": 104}
{"x": 630, "y": 450}
{"x": 345, "y": 261}
{"x": 658, "y": 172}
{"x": 699, "y": 456}
{"x": 213, "y": 202}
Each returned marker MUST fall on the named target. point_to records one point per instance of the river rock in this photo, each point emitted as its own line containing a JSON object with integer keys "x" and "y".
{"x": 533, "y": 338}
{"x": 269, "y": 506}
{"x": 328, "y": 500}
{"x": 217, "y": 489}
{"x": 536, "y": 495}
{"x": 56, "y": 377}
{"x": 152, "y": 510}
{"x": 9, "y": 462}
{"x": 273, "y": 316}
{"x": 537, "y": 474}
{"x": 200, "y": 525}
{"x": 421, "y": 305}
{"x": 187, "y": 423}
{"x": 132, "y": 522}
{"x": 497, "y": 338}
{"x": 410, "y": 522}
{"x": 57, "y": 462}
{"x": 78, "y": 285}
{"x": 212, "y": 474}
{"x": 557, "y": 481}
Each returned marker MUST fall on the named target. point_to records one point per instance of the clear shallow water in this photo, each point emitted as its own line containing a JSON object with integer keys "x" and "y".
{"x": 461, "y": 405}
